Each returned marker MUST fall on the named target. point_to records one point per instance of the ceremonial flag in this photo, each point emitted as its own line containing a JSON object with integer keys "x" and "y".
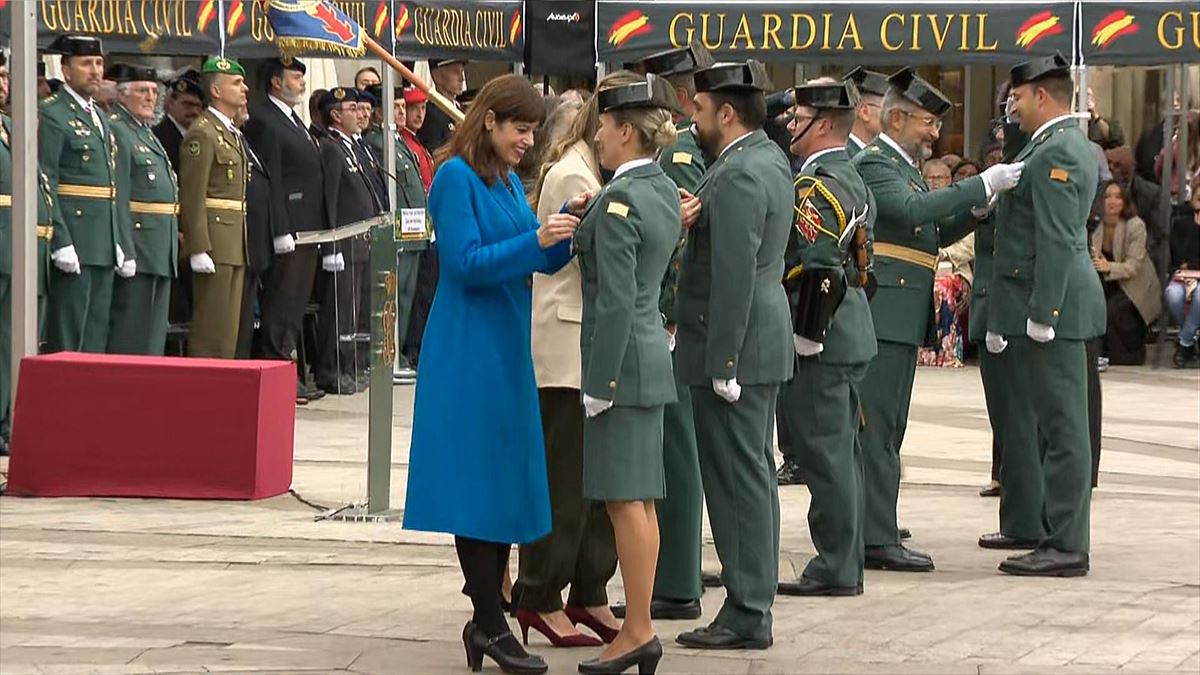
{"x": 317, "y": 25}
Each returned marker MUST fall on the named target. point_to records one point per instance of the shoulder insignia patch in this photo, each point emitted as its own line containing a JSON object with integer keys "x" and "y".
{"x": 194, "y": 148}
{"x": 1060, "y": 175}
{"x": 808, "y": 220}
{"x": 681, "y": 158}
{"x": 618, "y": 209}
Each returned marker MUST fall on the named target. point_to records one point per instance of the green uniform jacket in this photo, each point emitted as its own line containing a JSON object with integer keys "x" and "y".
{"x": 212, "y": 184}
{"x": 80, "y": 164}
{"x": 45, "y": 215}
{"x": 733, "y": 314}
{"x": 985, "y": 233}
{"x": 684, "y": 164}
{"x": 1043, "y": 270}
{"x": 911, "y": 223}
{"x": 853, "y": 148}
{"x": 624, "y": 243}
{"x": 147, "y": 195}
{"x": 851, "y": 335}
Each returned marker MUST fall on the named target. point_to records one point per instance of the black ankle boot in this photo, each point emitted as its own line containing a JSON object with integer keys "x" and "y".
{"x": 503, "y": 649}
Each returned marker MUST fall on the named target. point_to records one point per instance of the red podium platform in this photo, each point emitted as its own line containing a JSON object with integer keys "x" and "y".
{"x": 91, "y": 425}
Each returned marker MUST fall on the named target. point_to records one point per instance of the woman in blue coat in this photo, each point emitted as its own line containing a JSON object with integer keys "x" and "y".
{"x": 477, "y": 465}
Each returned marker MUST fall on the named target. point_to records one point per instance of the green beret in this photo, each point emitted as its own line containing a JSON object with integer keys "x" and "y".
{"x": 220, "y": 64}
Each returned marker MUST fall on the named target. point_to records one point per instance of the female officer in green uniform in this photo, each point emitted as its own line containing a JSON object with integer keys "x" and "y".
{"x": 625, "y": 241}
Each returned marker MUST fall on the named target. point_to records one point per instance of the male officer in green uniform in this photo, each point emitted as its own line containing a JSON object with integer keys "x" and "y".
{"x": 1046, "y": 300}
{"x": 734, "y": 343}
{"x": 44, "y": 231}
{"x": 212, "y": 210}
{"x": 832, "y": 331}
{"x": 78, "y": 155}
{"x": 146, "y": 208}
{"x": 911, "y": 223}
{"x": 871, "y": 87}
{"x": 680, "y": 515}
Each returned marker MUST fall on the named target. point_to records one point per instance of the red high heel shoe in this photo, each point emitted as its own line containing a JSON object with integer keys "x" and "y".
{"x": 579, "y": 615}
{"x": 529, "y": 619}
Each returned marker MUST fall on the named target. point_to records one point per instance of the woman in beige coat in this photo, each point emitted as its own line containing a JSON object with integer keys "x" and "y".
{"x": 579, "y": 551}
{"x": 1131, "y": 288}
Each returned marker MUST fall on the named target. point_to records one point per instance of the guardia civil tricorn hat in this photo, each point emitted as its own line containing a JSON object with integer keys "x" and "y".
{"x": 868, "y": 81}
{"x": 827, "y": 96}
{"x": 916, "y": 90}
{"x": 1056, "y": 65}
{"x": 76, "y": 45}
{"x": 653, "y": 92}
{"x": 123, "y": 72}
{"x": 679, "y": 61}
{"x": 745, "y": 77}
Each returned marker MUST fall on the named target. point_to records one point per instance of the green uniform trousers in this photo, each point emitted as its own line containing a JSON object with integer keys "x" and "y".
{"x": 6, "y": 350}
{"x": 737, "y": 464}
{"x": 407, "y": 264}
{"x": 1054, "y": 380}
{"x": 886, "y": 393}
{"x": 78, "y": 310}
{"x": 1015, "y": 432}
{"x": 681, "y": 512}
{"x": 822, "y": 411}
{"x": 216, "y": 312}
{"x": 138, "y": 324}
{"x": 580, "y": 549}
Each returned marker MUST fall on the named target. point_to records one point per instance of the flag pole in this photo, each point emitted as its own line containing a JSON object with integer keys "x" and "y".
{"x": 440, "y": 101}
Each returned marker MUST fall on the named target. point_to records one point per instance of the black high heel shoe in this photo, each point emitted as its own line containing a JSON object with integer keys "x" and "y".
{"x": 646, "y": 659}
{"x": 514, "y": 660}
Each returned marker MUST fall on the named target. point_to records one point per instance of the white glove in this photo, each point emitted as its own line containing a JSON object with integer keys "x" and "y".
{"x": 284, "y": 244}
{"x": 128, "y": 269}
{"x": 66, "y": 259}
{"x": 595, "y": 406}
{"x": 120, "y": 256}
{"x": 670, "y": 342}
{"x": 729, "y": 390}
{"x": 995, "y": 342}
{"x": 1038, "y": 332}
{"x": 806, "y": 347}
{"x": 1002, "y": 177}
{"x": 202, "y": 263}
{"x": 333, "y": 262}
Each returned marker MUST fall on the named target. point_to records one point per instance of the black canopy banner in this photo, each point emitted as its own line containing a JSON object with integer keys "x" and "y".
{"x": 481, "y": 30}
{"x": 1140, "y": 33}
{"x": 838, "y": 32}
{"x": 183, "y": 27}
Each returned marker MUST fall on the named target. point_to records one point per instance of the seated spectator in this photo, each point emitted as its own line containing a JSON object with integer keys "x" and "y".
{"x": 1104, "y": 132}
{"x": 1131, "y": 289}
{"x": 964, "y": 170}
{"x": 1145, "y": 196}
{"x": 951, "y": 160}
{"x": 936, "y": 174}
{"x": 1180, "y": 295}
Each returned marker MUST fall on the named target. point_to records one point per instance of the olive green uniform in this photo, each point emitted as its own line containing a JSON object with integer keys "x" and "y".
{"x": 146, "y": 207}
{"x": 822, "y": 400}
{"x": 1043, "y": 273}
{"x": 911, "y": 223}
{"x": 625, "y": 241}
{"x": 681, "y": 512}
{"x": 212, "y": 217}
{"x": 734, "y": 323}
{"x": 78, "y": 156}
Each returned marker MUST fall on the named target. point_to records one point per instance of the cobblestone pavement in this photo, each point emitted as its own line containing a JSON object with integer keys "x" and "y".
{"x": 141, "y": 586}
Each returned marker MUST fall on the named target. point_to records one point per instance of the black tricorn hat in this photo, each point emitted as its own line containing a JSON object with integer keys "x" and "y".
{"x": 827, "y": 96}
{"x": 916, "y": 90}
{"x": 653, "y": 92}
{"x": 1055, "y": 65}
{"x": 748, "y": 76}
{"x": 868, "y": 81}
{"x": 76, "y": 45}
{"x": 124, "y": 72}
{"x": 679, "y": 61}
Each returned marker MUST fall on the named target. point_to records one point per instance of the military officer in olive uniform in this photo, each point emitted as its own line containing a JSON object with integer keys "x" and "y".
{"x": 734, "y": 343}
{"x": 911, "y": 223}
{"x": 827, "y": 262}
{"x": 78, "y": 155}
{"x": 871, "y": 87}
{"x": 46, "y": 221}
{"x": 146, "y": 207}
{"x": 212, "y": 210}
{"x": 680, "y": 514}
{"x": 1046, "y": 301}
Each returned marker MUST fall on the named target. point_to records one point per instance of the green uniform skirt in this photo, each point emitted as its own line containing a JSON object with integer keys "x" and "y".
{"x": 623, "y": 455}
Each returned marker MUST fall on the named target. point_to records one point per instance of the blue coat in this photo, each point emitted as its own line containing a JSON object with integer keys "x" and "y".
{"x": 477, "y": 463}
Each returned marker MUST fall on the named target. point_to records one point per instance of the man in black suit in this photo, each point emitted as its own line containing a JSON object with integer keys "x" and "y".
{"x": 367, "y": 103}
{"x": 449, "y": 79}
{"x": 292, "y": 160}
{"x": 182, "y": 106}
{"x": 262, "y": 226}
{"x": 344, "y": 265}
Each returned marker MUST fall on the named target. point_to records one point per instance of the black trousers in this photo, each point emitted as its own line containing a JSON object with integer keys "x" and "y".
{"x": 1095, "y": 404}
{"x": 1125, "y": 339}
{"x": 337, "y": 317}
{"x": 483, "y": 564}
{"x": 427, "y": 276}
{"x": 287, "y": 288}
{"x": 250, "y": 294}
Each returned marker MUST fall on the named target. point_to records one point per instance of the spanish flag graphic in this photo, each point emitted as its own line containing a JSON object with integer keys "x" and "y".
{"x": 628, "y": 27}
{"x": 1041, "y": 25}
{"x": 515, "y": 29}
{"x": 381, "y": 18}
{"x": 402, "y": 19}
{"x": 207, "y": 11}
{"x": 1112, "y": 27}
{"x": 237, "y": 17}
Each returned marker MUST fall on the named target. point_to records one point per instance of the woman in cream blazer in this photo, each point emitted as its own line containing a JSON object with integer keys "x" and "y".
{"x": 1131, "y": 288}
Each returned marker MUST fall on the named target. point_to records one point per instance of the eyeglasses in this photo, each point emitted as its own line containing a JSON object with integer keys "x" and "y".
{"x": 927, "y": 120}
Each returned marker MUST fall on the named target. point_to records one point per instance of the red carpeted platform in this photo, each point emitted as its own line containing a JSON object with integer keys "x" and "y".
{"x": 91, "y": 425}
